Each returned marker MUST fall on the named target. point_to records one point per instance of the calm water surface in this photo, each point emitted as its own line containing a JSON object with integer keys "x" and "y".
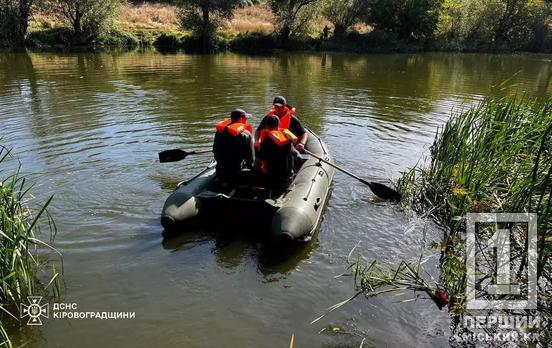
{"x": 90, "y": 126}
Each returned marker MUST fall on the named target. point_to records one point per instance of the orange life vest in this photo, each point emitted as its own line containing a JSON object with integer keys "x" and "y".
{"x": 280, "y": 137}
{"x": 235, "y": 128}
{"x": 285, "y": 120}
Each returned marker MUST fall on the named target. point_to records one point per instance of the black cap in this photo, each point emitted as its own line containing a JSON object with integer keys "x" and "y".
{"x": 237, "y": 114}
{"x": 279, "y": 101}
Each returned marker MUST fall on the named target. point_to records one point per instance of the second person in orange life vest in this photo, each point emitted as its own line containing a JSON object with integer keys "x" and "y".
{"x": 233, "y": 148}
{"x": 274, "y": 161}
{"x": 287, "y": 121}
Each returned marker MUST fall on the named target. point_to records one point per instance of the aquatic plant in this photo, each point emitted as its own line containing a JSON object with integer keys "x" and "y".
{"x": 372, "y": 280}
{"x": 495, "y": 157}
{"x": 20, "y": 261}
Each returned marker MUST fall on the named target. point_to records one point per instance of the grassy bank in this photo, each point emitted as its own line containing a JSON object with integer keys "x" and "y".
{"x": 146, "y": 25}
{"x": 252, "y": 29}
{"x": 20, "y": 262}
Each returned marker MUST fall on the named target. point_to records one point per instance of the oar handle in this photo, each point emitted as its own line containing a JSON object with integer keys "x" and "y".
{"x": 338, "y": 167}
{"x": 199, "y": 152}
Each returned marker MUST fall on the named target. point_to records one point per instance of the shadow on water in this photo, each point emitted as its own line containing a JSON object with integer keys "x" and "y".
{"x": 232, "y": 248}
{"x": 282, "y": 260}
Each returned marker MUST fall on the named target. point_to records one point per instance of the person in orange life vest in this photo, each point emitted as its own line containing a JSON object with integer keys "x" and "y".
{"x": 233, "y": 147}
{"x": 274, "y": 161}
{"x": 287, "y": 121}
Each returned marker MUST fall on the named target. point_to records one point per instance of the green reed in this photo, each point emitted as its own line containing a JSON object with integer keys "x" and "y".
{"x": 495, "y": 157}
{"x": 20, "y": 264}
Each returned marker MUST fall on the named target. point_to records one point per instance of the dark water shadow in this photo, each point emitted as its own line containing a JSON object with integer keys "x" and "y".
{"x": 281, "y": 260}
{"x": 232, "y": 248}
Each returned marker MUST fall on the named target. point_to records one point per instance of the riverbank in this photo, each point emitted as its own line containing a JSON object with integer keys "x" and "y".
{"x": 251, "y": 30}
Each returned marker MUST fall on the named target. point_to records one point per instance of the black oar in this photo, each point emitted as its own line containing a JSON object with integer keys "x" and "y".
{"x": 379, "y": 190}
{"x": 177, "y": 155}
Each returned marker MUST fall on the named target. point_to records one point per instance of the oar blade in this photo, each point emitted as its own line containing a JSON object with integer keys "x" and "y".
{"x": 384, "y": 192}
{"x": 172, "y": 155}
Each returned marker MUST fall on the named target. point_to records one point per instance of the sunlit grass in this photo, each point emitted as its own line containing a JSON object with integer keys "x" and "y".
{"x": 18, "y": 244}
{"x": 256, "y": 18}
{"x": 161, "y": 17}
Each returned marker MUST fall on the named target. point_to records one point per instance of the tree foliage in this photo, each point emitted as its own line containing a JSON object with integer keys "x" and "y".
{"x": 343, "y": 13}
{"x": 293, "y": 16}
{"x": 494, "y": 23}
{"x": 14, "y": 21}
{"x": 88, "y": 19}
{"x": 204, "y": 17}
{"x": 409, "y": 19}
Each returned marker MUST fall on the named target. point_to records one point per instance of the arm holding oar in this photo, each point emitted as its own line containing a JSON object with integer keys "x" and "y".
{"x": 379, "y": 190}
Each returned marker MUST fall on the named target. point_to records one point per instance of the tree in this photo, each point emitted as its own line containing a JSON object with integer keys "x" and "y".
{"x": 14, "y": 21}
{"x": 343, "y": 13}
{"x": 204, "y": 17}
{"x": 495, "y": 23}
{"x": 409, "y": 19}
{"x": 293, "y": 16}
{"x": 89, "y": 19}
{"x": 518, "y": 19}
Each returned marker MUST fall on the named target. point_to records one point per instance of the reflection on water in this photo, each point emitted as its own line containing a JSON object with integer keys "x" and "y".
{"x": 231, "y": 249}
{"x": 92, "y": 125}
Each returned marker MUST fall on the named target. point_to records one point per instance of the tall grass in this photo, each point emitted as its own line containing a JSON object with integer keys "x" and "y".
{"x": 18, "y": 246}
{"x": 250, "y": 19}
{"x": 495, "y": 157}
{"x": 150, "y": 15}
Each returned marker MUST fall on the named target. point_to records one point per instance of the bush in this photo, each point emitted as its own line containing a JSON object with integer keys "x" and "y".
{"x": 56, "y": 37}
{"x": 254, "y": 41}
{"x": 167, "y": 41}
{"x": 193, "y": 43}
{"x": 120, "y": 38}
{"x": 494, "y": 24}
{"x": 203, "y": 18}
{"x": 409, "y": 20}
{"x": 90, "y": 20}
{"x": 222, "y": 42}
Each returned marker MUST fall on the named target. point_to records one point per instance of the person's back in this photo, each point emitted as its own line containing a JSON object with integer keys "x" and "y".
{"x": 233, "y": 147}
{"x": 275, "y": 154}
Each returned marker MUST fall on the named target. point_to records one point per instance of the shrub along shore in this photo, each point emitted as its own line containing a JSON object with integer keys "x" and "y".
{"x": 255, "y": 42}
{"x": 351, "y": 25}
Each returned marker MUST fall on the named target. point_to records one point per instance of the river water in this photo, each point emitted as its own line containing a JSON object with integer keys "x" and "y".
{"x": 89, "y": 126}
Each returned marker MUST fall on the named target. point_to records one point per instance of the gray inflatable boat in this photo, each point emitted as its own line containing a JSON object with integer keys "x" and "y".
{"x": 286, "y": 215}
